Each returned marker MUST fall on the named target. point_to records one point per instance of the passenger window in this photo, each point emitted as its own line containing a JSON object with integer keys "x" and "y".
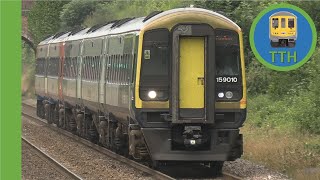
{"x": 283, "y": 22}
{"x": 108, "y": 69}
{"x": 275, "y": 22}
{"x": 291, "y": 23}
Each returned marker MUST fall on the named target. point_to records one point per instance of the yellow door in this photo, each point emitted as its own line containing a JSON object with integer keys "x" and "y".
{"x": 191, "y": 85}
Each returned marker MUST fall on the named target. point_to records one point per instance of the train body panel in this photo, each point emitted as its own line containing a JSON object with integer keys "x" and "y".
{"x": 168, "y": 87}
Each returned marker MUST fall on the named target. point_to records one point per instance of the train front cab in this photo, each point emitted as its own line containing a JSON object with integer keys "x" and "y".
{"x": 283, "y": 29}
{"x": 177, "y": 105}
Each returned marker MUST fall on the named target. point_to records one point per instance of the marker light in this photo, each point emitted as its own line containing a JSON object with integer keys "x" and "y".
{"x": 152, "y": 94}
{"x": 220, "y": 95}
{"x": 229, "y": 94}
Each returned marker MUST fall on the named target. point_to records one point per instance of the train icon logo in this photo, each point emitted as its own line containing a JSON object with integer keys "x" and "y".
{"x": 283, "y": 29}
{"x": 283, "y": 37}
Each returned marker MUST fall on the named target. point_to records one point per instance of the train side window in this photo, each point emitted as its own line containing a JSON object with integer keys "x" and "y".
{"x": 283, "y": 22}
{"x": 85, "y": 72}
{"x": 291, "y": 23}
{"x": 95, "y": 68}
{"x": 87, "y": 68}
{"x": 92, "y": 68}
{"x": 275, "y": 22}
{"x": 121, "y": 69}
{"x": 66, "y": 67}
{"x": 117, "y": 69}
{"x": 125, "y": 58}
{"x": 93, "y": 78}
{"x": 74, "y": 62}
{"x": 83, "y": 67}
{"x": 71, "y": 67}
{"x": 98, "y": 68}
{"x": 107, "y": 68}
{"x": 112, "y": 69}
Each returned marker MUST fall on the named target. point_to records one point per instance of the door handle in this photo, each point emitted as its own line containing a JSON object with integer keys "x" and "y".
{"x": 200, "y": 80}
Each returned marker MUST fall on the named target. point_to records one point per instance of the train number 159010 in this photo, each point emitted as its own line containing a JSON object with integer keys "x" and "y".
{"x": 227, "y": 79}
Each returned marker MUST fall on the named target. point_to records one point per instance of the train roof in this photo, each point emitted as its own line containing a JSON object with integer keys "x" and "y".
{"x": 283, "y": 13}
{"x": 136, "y": 25}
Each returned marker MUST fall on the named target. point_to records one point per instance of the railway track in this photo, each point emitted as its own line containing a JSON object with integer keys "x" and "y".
{"x": 59, "y": 167}
{"x": 153, "y": 173}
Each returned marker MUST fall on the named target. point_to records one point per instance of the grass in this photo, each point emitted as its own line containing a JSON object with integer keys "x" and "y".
{"x": 284, "y": 150}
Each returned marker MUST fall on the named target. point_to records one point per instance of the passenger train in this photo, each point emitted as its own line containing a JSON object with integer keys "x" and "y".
{"x": 283, "y": 29}
{"x": 168, "y": 87}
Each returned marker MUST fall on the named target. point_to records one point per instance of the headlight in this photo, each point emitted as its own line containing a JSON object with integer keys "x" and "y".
{"x": 229, "y": 94}
{"x": 152, "y": 94}
{"x": 220, "y": 94}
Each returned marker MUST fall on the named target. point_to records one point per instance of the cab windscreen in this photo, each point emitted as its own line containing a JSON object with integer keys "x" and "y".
{"x": 154, "y": 77}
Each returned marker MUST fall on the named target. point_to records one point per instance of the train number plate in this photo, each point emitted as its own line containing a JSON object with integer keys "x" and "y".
{"x": 227, "y": 79}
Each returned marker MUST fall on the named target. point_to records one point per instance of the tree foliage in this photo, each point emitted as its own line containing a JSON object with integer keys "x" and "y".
{"x": 75, "y": 12}
{"x": 114, "y": 10}
{"x": 43, "y": 19}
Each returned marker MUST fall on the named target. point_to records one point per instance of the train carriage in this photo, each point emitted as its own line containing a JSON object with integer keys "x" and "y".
{"x": 167, "y": 87}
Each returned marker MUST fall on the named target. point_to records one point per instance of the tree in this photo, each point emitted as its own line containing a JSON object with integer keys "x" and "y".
{"x": 75, "y": 12}
{"x": 121, "y": 9}
{"x": 44, "y": 19}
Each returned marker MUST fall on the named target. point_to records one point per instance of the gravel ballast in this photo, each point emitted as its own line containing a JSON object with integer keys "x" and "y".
{"x": 33, "y": 167}
{"x": 80, "y": 159}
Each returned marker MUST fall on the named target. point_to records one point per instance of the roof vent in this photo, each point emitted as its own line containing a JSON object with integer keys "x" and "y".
{"x": 75, "y": 31}
{"x": 58, "y": 35}
{"x": 151, "y": 15}
{"x": 121, "y": 22}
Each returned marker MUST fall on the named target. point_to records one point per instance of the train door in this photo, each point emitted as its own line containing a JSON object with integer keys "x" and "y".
{"x": 193, "y": 74}
{"x": 79, "y": 76}
{"x": 61, "y": 68}
{"x": 102, "y": 83}
{"x": 46, "y": 71}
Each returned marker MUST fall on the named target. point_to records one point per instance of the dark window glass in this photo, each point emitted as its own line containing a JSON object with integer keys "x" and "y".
{"x": 291, "y": 23}
{"x": 155, "y": 59}
{"x": 227, "y": 53}
{"x": 108, "y": 69}
{"x": 155, "y": 64}
{"x": 40, "y": 66}
{"x": 53, "y": 66}
{"x": 283, "y": 22}
{"x": 275, "y": 22}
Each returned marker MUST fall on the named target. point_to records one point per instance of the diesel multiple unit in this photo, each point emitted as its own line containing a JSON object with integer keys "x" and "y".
{"x": 283, "y": 29}
{"x": 168, "y": 87}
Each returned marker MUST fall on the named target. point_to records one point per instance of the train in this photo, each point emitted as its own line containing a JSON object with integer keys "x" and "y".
{"x": 164, "y": 88}
{"x": 283, "y": 30}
